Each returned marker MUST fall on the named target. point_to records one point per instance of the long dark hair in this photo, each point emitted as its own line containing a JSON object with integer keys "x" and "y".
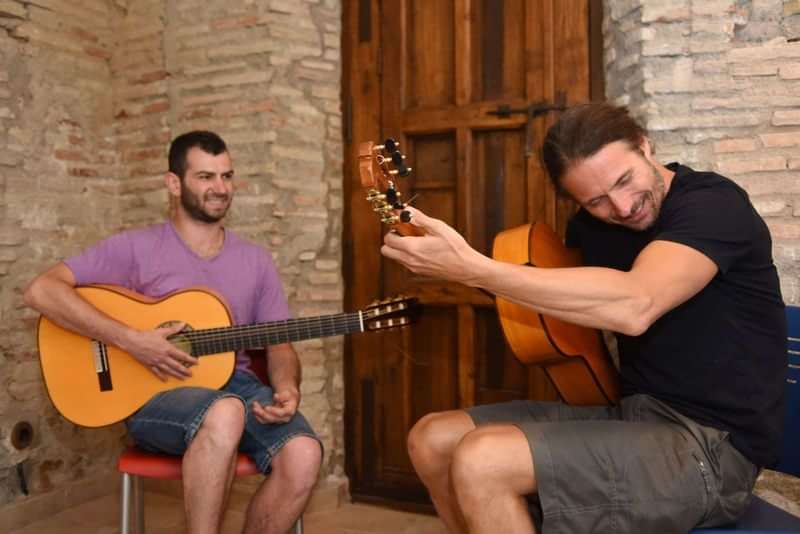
{"x": 582, "y": 131}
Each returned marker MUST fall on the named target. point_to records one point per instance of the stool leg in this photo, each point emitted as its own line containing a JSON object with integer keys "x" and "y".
{"x": 138, "y": 502}
{"x": 298, "y": 526}
{"x": 125, "y": 505}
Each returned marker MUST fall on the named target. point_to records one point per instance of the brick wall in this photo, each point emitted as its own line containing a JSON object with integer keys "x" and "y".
{"x": 91, "y": 92}
{"x": 717, "y": 82}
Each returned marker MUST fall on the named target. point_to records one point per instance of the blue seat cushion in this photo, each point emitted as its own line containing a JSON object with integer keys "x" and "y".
{"x": 760, "y": 517}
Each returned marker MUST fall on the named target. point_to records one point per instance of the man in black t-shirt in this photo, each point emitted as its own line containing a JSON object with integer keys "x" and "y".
{"x": 679, "y": 267}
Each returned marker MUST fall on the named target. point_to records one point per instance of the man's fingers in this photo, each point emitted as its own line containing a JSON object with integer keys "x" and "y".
{"x": 158, "y": 372}
{"x": 173, "y": 328}
{"x": 183, "y": 358}
{"x": 270, "y": 413}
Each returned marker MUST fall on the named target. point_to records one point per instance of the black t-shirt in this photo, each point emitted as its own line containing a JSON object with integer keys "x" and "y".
{"x": 720, "y": 357}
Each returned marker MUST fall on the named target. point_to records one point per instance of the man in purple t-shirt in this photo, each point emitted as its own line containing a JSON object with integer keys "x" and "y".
{"x": 206, "y": 426}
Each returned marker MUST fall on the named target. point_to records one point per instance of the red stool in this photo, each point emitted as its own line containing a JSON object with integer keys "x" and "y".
{"x": 135, "y": 464}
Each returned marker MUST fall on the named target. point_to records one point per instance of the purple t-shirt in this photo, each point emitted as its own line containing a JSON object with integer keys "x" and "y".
{"x": 155, "y": 261}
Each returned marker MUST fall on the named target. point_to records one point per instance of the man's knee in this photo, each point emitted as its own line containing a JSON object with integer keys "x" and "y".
{"x": 492, "y": 460}
{"x": 224, "y": 421}
{"x": 434, "y": 437}
{"x": 298, "y": 463}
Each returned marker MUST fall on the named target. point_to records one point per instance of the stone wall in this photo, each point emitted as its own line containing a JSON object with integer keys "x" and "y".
{"x": 717, "y": 82}
{"x": 91, "y": 92}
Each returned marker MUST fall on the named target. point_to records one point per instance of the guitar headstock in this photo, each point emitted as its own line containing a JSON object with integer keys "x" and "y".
{"x": 379, "y": 167}
{"x": 391, "y": 313}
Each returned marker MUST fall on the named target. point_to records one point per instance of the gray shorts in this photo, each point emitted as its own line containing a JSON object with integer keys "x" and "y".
{"x": 640, "y": 467}
{"x": 169, "y": 421}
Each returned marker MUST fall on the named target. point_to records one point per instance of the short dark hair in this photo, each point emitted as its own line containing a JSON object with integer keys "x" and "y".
{"x": 208, "y": 142}
{"x": 582, "y": 131}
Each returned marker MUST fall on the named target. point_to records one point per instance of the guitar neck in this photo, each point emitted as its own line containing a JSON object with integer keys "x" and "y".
{"x": 256, "y": 336}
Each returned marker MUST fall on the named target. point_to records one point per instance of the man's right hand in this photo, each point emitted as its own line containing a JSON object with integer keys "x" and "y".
{"x": 157, "y": 353}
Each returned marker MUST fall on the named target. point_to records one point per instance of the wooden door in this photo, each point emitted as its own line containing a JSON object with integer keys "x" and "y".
{"x": 437, "y": 76}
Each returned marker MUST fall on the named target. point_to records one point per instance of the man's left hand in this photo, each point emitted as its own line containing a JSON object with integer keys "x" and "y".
{"x": 440, "y": 253}
{"x": 283, "y": 407}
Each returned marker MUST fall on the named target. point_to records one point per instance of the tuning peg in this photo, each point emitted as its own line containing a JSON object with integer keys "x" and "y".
{"x": 397, "y": 158}
{"x": 405, "y": 216}
{"x": 390, "y": 145}
{"x": 374, "y": 195}
{"x": 392, "y": 196}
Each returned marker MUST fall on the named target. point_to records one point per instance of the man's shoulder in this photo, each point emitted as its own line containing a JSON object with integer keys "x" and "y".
{"x": 689, "y": 179}
{"x": 144, "y": 232}
{"x": 244, "y": 246}
{"x": 701, "y": 188}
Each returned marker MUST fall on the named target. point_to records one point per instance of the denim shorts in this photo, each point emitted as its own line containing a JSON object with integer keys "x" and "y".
{"x": 170, "y": 420}
{"x": 639, "y": 467}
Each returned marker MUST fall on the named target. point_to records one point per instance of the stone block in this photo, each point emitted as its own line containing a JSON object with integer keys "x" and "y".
{"x": 789, "y": 71}
{"x": 754, "y": 164}
{"x": 791, "y": 7}
{"x": 786, "y": 117}
{"x": 735, "y": 145}
{"x": 783, "y": 139}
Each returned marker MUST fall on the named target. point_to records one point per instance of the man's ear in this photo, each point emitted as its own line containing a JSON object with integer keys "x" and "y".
{"x": 173, "y": 183}
{"x": 647, "y": 148}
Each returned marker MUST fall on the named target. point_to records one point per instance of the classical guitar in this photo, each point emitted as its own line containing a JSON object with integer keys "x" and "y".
{"x": 94, "y": 384}
{"x": 574, "y": 357}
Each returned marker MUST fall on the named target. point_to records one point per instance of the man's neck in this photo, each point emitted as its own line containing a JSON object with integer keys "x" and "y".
{"x": 667, "y": 175}
{"x": 204, "y": 239}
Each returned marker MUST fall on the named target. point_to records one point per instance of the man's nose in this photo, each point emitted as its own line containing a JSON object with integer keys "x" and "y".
{"x": 219, "y": 186}
{"x": 623, "y": 204}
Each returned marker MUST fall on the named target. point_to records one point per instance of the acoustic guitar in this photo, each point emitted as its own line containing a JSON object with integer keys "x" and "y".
{"x": 574, "y": 357}
{"x": 94, "y": 384}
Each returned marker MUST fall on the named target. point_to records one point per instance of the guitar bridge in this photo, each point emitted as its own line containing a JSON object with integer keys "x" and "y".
{"x": 100, "y": 354}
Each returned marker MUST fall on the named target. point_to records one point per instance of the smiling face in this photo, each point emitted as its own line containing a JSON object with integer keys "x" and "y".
{"x": 206, "y": 189}
{"x": 619, "y": 184}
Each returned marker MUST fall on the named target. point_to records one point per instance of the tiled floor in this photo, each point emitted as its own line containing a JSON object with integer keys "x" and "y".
{"x": 164, "y": 515}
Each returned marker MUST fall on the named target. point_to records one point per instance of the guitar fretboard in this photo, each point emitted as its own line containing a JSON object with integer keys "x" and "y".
{"x": 232, "y": 338}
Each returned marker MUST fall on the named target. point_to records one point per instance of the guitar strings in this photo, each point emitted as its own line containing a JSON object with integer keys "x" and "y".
{"x": 288, "y": 325}
{"x": 292, "y": 329}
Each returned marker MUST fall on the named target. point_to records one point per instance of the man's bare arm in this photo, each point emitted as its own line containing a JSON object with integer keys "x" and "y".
{"x": 53, "y": 295}
{"x": 283, "y": 367}
{"x": 664, "y": 275}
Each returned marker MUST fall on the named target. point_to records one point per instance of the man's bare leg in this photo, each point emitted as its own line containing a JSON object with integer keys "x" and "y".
{"x": 431, "y": 444}
{"x": 492, "y": 473}
{"x": 209, "y": 465}
{"x": 284, "y": 494}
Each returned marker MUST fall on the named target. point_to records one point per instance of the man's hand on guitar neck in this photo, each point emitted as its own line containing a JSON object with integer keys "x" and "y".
{"x": 153, "y": 350}
{"x": 440, "y": 253}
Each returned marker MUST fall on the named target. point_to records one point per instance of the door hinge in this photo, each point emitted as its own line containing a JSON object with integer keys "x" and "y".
{"x": 532, "y": 111}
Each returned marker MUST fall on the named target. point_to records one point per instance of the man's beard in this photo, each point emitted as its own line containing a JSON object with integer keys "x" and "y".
{"x": 191, "y": 204}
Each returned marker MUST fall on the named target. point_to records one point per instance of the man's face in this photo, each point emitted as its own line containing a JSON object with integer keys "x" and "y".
{"x": 207, "y": 187}
{"x": 619, "y": 184}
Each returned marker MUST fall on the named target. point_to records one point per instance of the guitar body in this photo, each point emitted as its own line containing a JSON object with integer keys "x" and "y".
{"x": 69, "y": 360}
{"x": 574, "y": 357}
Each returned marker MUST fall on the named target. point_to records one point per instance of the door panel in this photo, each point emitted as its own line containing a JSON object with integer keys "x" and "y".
{"x": 433, "y": 74}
